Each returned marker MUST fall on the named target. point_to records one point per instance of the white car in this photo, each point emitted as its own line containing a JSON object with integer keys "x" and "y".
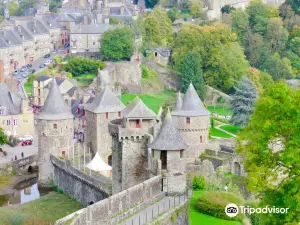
{"x": 47, "y": 62}
{"x": 26, "y": 137}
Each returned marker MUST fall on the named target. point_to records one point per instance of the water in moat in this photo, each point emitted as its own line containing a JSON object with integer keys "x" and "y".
{"x": 23, "y": 192}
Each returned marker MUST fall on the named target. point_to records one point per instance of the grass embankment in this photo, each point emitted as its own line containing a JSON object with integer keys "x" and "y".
{"x": 28, "y": 86}
{"x": 43, "y": 211}
{"x": 197, "y": 218}
{"x": 232, "y": 129}
{"x": 153, "y": 101}
{"x": 220, "y": 110}
{"x": 218, "y": 133}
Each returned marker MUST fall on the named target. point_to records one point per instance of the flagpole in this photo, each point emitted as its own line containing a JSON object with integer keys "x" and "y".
{"x": 90, "y": 159}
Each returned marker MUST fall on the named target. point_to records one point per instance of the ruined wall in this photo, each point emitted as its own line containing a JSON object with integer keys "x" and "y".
{"x": 120, "y": 206}
{"x": 56, "y": 138}
{"x": 84, "y": 188}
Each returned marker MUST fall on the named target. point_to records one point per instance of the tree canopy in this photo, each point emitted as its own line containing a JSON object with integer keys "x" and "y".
{"x": 243, "y": 102}
{"x": 117, "y": 44}
{"x": 191, "y": 71}
{"x": 271, "y": 143}
{"x": 3, "y": 137}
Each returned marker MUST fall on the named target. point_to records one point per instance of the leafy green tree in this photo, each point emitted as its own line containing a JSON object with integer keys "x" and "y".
{"x": 294, "y": 5}
{"x": 191, "y": 71}
{"x": 196, "y": 9}
{"x": 240, "y": 22}
{"x": 1, "y": 18}
{"x": 24, "y": 6}
{"x": 12, "y": 8}
{"x": 117, "y": 44}
{"x": 173, "y": 14}
{"x": 270, "y": 144}
{"x": 227, "y": 9}
{"x": 54, "y": 5}
{"x": 79, "y": 66}
{"x": 276, "y": 35}
{"x": 3, "y": 137}
{"x": 243, "y": 102}
{"x": 278, "y": 68}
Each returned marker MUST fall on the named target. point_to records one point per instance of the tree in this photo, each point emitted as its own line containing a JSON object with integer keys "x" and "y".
{"x": 172, "y": 14}
{"x": 270, "y": 144}
{"x": 196, "y": 9}
{"x": 276, "y": 35}
{"x": 117, "y": 44}
{"x": 240, "y": 21}
{"x": 54, "y": 5}
{"x": 24, "y": 6}
{"x": 227, "y": 9}
{"x": 243, "y": 102}
{"x": 12, "y": 8}
{"x": 150, "y": 3}
{"x": 191, "y": 71}
{"x": 3, "y": 137}
{"x": 1, "y": 18}
{"x": 278, "y": 68}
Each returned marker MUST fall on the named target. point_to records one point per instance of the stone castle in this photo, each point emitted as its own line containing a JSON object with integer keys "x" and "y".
{"x": 132, "y": 138}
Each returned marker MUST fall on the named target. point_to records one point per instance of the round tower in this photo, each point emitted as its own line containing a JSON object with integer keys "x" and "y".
{"x": 193, "y": 121}
{"x": 55, "y": 133}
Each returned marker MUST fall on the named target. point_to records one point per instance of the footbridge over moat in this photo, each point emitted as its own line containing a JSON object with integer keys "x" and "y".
{"x": 26, "y": 163}
{"x": 85, "y": 188}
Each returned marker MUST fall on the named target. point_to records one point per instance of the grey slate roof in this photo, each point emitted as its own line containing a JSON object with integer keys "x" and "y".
{"x": 22, "y": 33}
{"x": 55, "y": 108}
{"x": 178, "y": 104}
{"x": 137, "y": 109}
{"x": 91, "y": 28}
{"x": 164, "y": 51}
{"x": 42, "y": 78}
{"x": 168, "y": 137}
{"x": 105, "y": 102}
{"x": 10, "y": 101}
{"x": 192, "y": 104}
{"x": 75, "y": 105}
{"x": 36, "y": 27}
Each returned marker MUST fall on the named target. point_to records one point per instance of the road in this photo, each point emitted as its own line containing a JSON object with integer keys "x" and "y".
{"x": 36, "y": 66}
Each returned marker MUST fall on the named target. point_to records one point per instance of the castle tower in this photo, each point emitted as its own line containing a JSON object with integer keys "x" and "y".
{"x": 55, "y": 132}
{"x": 168, "y": 149}
{"x": 193, "y": 122}
{"x": 104, "y": 108}
{"x": 131, "y": 136}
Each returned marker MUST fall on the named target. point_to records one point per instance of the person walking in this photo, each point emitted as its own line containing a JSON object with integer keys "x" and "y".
{"x": 22, "y": 154}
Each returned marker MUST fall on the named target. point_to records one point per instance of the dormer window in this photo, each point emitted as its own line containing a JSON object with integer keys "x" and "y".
{"x": 188, "y": 120}
{"x": 2, "y": 111}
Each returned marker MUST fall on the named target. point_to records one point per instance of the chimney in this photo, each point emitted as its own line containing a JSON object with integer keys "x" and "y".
{"x": 2, "y": 81}
{"x": 85, "y": 20}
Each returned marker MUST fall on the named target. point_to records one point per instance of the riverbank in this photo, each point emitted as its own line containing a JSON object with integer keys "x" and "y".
{"x": 43, "y": 211}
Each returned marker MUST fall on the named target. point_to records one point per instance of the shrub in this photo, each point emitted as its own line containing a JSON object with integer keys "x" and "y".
{"x": 12, "y": 141}
{"x": 60, "y": 191}
{"x": 54, "y": 187}
{"x": 213, "y": 203}
{"x": 199, "y": 183}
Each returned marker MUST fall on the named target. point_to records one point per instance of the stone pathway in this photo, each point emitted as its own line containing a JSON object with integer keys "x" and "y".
{"x": 155, "y": 210}
{"x": 219, "y": 128}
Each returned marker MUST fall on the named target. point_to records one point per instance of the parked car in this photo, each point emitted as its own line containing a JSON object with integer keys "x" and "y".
{"x": 67, "y": 45}
{"x": 23, "y": 69}
{"x": 46, "y": 56}
{"x": 29, "y": 65}
{"x": 55, "y": 51}
{"x": 26, "y": 137}
{"x": 42, "y": 65}
{"x": 23, "y": 143}
{"x": 32, "y": 71}
{"x": 47, "y": 62}
{"x": 16, "y": 72}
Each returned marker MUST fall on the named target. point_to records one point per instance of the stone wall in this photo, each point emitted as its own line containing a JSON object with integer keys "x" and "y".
{"x": 84, "y": 188}
{"x": 177, "y": 216}
{"x": 120, "y": 206}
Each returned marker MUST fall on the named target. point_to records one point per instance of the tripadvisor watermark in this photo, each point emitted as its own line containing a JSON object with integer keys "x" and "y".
{"x": 232, "y": 210}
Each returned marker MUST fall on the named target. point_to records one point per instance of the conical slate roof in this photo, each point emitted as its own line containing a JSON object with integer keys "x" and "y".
{"x": 168, "y": 137}
{"x": 178, "y": 104}
{"x": 55, "y": 108}
{"x": 105, "y": 102}
{"x": 192, "y": 104}
{"x": 137, "y": 109}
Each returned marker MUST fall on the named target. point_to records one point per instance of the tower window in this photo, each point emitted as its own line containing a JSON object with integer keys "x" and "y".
{"x": 8, "y": 122}
{"x": 78, "y": 111}
{"x": 55, "y": 126}
{"x": 15, "y": 122}
{"x": 201, "y": 141}
{"x": 137, "y": 124}
{"x": 188, "y": 120}
{"x": 181, "y": 153}
{"x": 106, "y": 115}
{"x": 119, "y": 114}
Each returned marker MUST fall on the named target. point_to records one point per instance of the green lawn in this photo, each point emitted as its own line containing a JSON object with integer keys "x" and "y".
{"x": 217, "y": 133}
{"x": 220, "y": 110}
{"x": 27, "y": 87}
{"x": 153, "y": 101}
{"x": 43, "y": 211}
{"x": 197, "y": 218}
{"x": 232, "y": 129}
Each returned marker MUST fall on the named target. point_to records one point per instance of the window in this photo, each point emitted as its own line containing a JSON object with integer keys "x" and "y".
{"x": 119, "y": 114}
{"x": 15, "y": 122}
{"x": 63, "y": 153}
{"x": 188, "y": 120}
{"x": 39, "y": 83}
{"x": 137, "y": 124}
{"x": 201, "y": 141}
{"x": 8, "y": 122}
{"x": 78, "y": 111}
{"x": 181, "y": 154}
{"x": 106, "y": 115}
{"x": 55, "y": 126}
{"x": 83, "y": 112}
{"x": 39, "y": 92}
{"x": 94, "y": 43}
{"x": 2, "y": 110}
{"x": 155, "y": 54}
{"x": 39, "y": 101}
